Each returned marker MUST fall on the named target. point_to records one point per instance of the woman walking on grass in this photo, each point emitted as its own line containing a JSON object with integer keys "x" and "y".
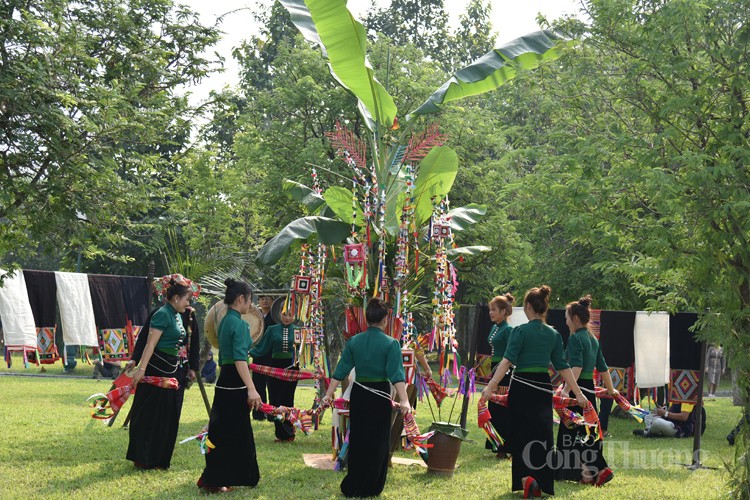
{"x": 231, "y": 459}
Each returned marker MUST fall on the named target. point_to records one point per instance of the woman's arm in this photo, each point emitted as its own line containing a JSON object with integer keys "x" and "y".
{"x": 567, "y": 375}
{"x": 153, "y": 338}
{"x": 607, "y": 379}
{"x": 497, "y": 376}
{"x": 422, "y": 360}
{"x": 403, "y": 398}
{"x": 576, "y": 374}
{"x": 331, "y": 390}
{"x": 253, "y": 398}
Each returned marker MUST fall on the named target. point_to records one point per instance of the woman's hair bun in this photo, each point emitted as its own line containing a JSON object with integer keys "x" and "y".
{"x": 510, "y": 298}
{"x": 585, "y": 301}
{"x": 229, "y": 282}
{"x": 545, "y": 291}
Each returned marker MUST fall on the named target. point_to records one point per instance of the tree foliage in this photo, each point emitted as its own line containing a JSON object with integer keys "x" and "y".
{"x": 89, "y": 117}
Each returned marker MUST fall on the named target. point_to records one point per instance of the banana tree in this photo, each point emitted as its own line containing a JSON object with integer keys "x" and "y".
{"x": 342, "y": 40}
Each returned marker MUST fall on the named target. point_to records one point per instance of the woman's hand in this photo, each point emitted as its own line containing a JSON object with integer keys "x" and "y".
{"x": 489, "y": 390}
{"x": 191, "y": 374}
{"x": 137, "y": 377}
{"x": 405, "y": 407}
{"x": 614, "y": 393}
{"x": 129, "y": 365}
{"x": 581, "y": 399}
{"x": 253, "y": 399}
{"x": 327, "y": 400}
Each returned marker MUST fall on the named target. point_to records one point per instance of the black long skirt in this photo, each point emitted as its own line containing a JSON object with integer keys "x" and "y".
{"x": 572, "y": 453}
{"x": 500, "y": 417}
{"x": 260, "y": 382}
{"x": 281, "y": 393}
{"x": 155, "y": 416}
{"x": 531, "y": 438}
{"x": 369, "y": 430}
{"x": 232, "y": 461}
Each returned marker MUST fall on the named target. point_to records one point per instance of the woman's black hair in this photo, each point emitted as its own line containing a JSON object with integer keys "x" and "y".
{"x": 235, "y": 289}
{"x": 539, "y": 299}
{"x": 176, "y": 289}
{"x": 581, "y": 308}
{"x": 376, "y": 311}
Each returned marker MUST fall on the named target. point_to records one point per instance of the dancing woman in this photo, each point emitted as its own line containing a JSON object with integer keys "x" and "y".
{"x": 582, "y": 459}
{"x": 231, "y": 460}
{"x": 162, "y": 352}
{"x": 531, "y": 348}
{"x": 500, "y": 308}
{"x": 376, "y": 357}
{"x": 278, "y": 346}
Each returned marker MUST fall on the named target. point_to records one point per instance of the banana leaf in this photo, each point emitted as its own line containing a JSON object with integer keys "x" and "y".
{"x": 495, "y": 68}
{"x": 340, "y": 200}
{"x": 437, "y": 171}
{"x": 342, "y": 39}
{"x": 329, "y": 231}
{"x": 453, "y": 253}
{"x": 304, "y": 195}
{"x": 463, "y": 217}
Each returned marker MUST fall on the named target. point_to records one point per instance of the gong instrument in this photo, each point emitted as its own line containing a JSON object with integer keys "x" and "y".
{"x": 254, "y": 318}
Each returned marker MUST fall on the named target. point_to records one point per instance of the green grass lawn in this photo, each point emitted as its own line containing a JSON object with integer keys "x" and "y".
{"x": 52, "y": 448}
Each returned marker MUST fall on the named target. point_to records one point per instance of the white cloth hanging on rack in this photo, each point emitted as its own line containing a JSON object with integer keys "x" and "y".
{"x": 19, "y": 329}
{"x": 651, "y": 342}
{"x": 76, "y": 309}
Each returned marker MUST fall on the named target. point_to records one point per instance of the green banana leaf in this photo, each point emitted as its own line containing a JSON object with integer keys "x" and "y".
{"x": 437, "y": 171}
{"x": 342, "y": 40}
{"x": 340, "y": 200}
{"x": 329, "y": 231}
{"x": 454, "y": 253}
{"x": 304, "y": 195}
{"x": 495, "y": 68}
{"x": 463, "y": 217}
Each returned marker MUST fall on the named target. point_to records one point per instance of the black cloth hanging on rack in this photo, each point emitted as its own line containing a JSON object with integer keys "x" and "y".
{"x": 616, "y": 337}
{"x": 42, "y": 289}
{"x": 136, "y": 293}
{"x": 106, "y": 298}
{"x": 684, "y": 348}
{"x": 556, "y": 319}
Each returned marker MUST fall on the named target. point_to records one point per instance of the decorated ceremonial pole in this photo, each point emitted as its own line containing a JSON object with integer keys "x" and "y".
{"x": 473, "y": 319}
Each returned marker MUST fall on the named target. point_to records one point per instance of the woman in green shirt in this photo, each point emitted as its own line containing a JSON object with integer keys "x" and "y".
{"x": 231, "y": 460}
{"x": 279, "y": 343}
{"x": 579, "y": 461}
{"x": 376, "y": 357}
{"x": 156, "y": 410}
{"x": 531, "y": 348}
{"x": 500, "y": 308}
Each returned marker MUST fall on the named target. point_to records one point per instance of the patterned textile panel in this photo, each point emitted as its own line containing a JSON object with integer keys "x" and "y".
{"x": 47, "y": 349}
{"x": 407, "y": 356}
{"x": 484, "y": 368}
{"x": 554, "y": 377}
{"x": 622, "y": 380}
{"x": 114, "y": 344}
{"x": 683, "y": 386}
{"x": 595, "y": 322}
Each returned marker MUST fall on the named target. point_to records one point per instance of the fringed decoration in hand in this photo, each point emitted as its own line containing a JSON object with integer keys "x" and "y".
{"x": 105, "y": 406}
{"x": 418, "y": 440}
{"x": 484, "y": 420}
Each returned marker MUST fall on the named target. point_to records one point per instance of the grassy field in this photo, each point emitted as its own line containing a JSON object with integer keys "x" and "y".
{"x": 51, "y": 448}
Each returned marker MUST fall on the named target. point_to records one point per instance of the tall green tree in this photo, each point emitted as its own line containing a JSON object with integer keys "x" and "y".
{"x": 632, "y": 159}
{"x": 421, "y": 23}
{"x": 89, "y": 117}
